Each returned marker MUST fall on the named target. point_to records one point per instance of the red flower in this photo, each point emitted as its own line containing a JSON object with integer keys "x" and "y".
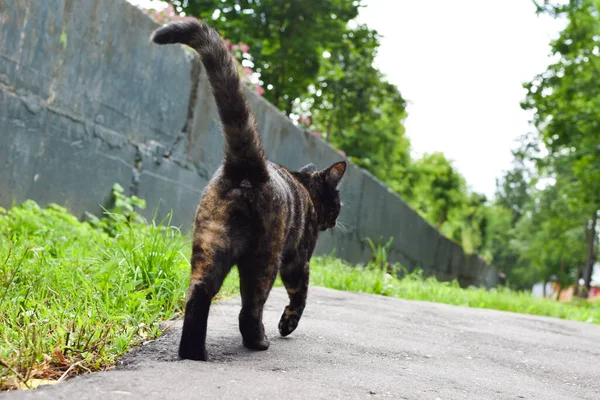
{"x": 304, "y": 121}
{"x": 258, "y": 89}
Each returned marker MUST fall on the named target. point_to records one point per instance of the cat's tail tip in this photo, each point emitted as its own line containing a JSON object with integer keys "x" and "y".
{"x": 181, "y": 31}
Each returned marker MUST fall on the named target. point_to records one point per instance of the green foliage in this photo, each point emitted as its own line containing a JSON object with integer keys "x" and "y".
{"x": 514, "y": 190}
{"x": 358, "y": 110}
{"x": 499, "y": 235}
{"x": 565, "y": 99}
{"x": 74, "y": 297}
{"x": 380, "y": 253}
{"x": 513, "y": 200}
{"x": 441, "y": 190}
{"x": 550, "y": 239}
{"x": 474, "y": 219}
{"x": 535, "y": 234}
{"x": 122, "y": 212}
{"x": 288, "y": 37}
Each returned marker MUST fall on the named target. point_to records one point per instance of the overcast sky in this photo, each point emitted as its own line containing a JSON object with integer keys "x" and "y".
{"x": 461, "y": 65}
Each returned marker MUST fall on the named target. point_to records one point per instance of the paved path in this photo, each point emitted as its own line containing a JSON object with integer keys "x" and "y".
{"x": 355, "y": 346}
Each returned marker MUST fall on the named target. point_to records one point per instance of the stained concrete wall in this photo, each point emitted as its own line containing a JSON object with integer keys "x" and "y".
{"x": 87, "y": 101}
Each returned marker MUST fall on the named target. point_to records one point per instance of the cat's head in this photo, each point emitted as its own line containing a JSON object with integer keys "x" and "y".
{"x": 323, "y": 188}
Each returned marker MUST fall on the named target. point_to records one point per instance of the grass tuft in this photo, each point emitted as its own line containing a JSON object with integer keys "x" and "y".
{"x": 74, "y": 297}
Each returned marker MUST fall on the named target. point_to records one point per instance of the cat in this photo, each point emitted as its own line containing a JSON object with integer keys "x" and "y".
{"x": 253, "y": 213}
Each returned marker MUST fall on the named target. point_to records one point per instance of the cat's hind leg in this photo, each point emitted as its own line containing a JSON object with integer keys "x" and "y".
{"x": 257, "y": 275}
{"x": 210, "y": 266}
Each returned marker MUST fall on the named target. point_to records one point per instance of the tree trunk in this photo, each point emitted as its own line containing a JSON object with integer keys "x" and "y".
{"x": 442, "y": 220}
{"x": 576, "y": 288}
{"x": 544, "y": 292}
{"x": 278, "y": 93}
{"x": 329, "y": 132}
{"x": 590, "y": 255}
{"x": 288, "y": 107}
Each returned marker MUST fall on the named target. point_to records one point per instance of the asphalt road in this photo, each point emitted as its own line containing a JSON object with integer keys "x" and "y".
{"x": 356, "y": 346}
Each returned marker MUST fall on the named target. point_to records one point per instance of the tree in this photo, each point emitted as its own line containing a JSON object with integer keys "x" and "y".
{"x": 441, "y": 190}
{"x": 513, "y": 190}
{"x": 551, "y": 238}
{"x": 474, "y": 227}
{"x": 359, "y": 111}
{"x": 503, "y": 245}
{"x": 498, "y": 247}
{"x": 565, "y": 101}
{"x": 287, "y": 37}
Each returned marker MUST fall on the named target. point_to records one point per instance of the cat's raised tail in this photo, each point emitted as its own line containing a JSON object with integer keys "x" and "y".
{"x": 244, "y": 155}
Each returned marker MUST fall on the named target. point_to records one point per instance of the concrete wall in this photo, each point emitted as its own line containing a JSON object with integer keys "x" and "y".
{"x": 87, "y": 101}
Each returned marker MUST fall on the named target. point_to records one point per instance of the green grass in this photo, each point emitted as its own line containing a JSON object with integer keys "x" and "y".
{"x": 74, "y": 296}
{"x": 336, "y": 274}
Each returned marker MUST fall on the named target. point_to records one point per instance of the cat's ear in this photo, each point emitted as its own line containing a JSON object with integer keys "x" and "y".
{"x": 334, "y": 174}
{"x": 308, "y": 168}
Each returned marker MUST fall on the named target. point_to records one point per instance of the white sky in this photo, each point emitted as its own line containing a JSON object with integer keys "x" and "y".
{"x": 157, "y": 4}
{"x": 461, "y": 65}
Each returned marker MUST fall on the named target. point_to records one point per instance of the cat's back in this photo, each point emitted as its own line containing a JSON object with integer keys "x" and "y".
{"x": 282, "y": 197}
